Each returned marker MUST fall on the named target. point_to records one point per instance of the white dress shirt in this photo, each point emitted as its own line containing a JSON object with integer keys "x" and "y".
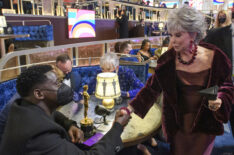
{"x": 67, "y": 82}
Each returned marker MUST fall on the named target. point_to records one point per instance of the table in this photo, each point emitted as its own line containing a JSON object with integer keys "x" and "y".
{"x": 152, "y": 66}
{"x": 137, "y": 130}
{"x": 9, "y": 36}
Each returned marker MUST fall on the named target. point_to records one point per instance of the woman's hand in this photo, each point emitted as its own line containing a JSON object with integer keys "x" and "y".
{"x": 156, "y": 57}
{"x": 214, "y": 105}
{"x": 139, "y": 56}
{"x": 129, "y": 109}
{"x": 152, "y": 58}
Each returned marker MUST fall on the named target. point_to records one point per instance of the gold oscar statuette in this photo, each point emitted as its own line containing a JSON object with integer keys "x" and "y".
{"x": 86, "y": 123}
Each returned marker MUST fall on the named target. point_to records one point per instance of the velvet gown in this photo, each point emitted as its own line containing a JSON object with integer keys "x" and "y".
{"x": 175, "y": 119}
{"x": 185, "y": 140}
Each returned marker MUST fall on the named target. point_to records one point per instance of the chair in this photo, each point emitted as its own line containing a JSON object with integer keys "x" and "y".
{"x": 135, "y": 51}
{"x": 7, "y": 90}
{"x": 140, "y": 69}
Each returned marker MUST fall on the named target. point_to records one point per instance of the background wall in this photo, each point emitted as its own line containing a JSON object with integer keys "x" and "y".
{"x": 105, "y": 29}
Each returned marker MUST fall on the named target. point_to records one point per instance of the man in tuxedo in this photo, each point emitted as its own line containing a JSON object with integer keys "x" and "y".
{"x": 72, "y": 79}
{"x": 223, "y": 39}
{"x": 34, "y": 126}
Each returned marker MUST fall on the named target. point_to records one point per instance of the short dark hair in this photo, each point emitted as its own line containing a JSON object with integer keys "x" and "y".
{"x": 31, "y": 77}
{"x": 62, "y": 58}
{"x": 124, "y": 45}
{"x": 117, "y": 47}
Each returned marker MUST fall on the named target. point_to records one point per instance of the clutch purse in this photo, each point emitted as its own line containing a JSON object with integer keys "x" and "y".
{"x": 210, "y": 93}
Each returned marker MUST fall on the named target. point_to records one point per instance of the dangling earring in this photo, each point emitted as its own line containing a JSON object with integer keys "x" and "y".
{"x": 191, "y": 46}
{"x": 192, "y": 50}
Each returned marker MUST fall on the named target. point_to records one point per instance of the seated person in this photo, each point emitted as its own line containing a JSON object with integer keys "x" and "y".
{"x": 59, "y": 73}
{"x": 163, "y": 48}
{"x": 129, "y": 83}
{"x": 72, "y": 79}
{"x": 41, "y": 133}
{"x": 144, "y": 53}
{"x": 117, "y": 47}
{"x": 9, "y": 45}
{"x": 125, "y": 48}
{"x": 5, "y": 110}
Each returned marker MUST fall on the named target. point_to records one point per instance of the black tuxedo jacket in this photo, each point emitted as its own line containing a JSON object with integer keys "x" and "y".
{"x": 76, "y": 83}
{"x": 29, "y": 130}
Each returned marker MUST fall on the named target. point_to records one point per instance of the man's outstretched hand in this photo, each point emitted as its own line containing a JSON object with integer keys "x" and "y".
{"x": 76, "y": 135}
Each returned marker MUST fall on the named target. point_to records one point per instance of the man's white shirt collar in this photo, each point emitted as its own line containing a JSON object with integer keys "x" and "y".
{"x": 67, "y": 82}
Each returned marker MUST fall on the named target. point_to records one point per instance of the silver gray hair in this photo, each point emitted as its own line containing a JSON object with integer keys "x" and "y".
{"x": 109, "y": 58}
{"x": 187, "y": 19}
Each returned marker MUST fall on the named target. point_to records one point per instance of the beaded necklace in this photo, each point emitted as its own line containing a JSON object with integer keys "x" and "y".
{"x": 194, "y": 52}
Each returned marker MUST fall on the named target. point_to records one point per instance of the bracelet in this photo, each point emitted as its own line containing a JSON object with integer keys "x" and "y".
{"x": 126, "y": 109}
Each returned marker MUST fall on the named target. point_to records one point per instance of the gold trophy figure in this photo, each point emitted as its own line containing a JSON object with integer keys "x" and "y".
{"x": 86, "y": 104}
{"x": 86, "y": 123}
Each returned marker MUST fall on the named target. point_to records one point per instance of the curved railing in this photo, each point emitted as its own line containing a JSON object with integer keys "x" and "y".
{"x": 83, "y": 54}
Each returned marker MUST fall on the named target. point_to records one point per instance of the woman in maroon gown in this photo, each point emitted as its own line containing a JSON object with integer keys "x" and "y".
{"x": 190, "y": 121}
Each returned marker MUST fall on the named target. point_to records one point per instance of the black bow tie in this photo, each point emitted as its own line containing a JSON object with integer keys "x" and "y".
{"x": 67, "y": 76}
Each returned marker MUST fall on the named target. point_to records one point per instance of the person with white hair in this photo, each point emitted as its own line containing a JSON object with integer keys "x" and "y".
{"x": 129, "y": 83}
{"x": 190, "y": 121}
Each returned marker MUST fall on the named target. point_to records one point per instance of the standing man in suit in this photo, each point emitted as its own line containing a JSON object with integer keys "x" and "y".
{"x": 223, "y": 39}
{"x": 34, "y": 127}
